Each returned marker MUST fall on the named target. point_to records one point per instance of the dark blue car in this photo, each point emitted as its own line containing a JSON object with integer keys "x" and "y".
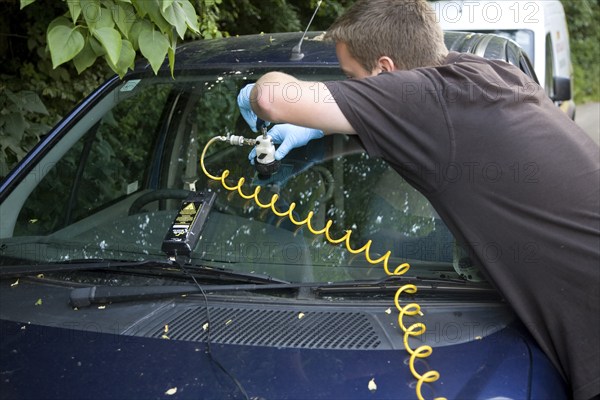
{"x": 104, "y": 297}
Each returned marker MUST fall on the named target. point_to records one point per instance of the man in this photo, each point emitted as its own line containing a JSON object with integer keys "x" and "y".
{"x": 423, "y": 109}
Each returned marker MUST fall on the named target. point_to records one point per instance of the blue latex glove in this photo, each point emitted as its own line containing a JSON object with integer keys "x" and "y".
{"x": 243, "y": 101}
{"x": 290, "y": 136}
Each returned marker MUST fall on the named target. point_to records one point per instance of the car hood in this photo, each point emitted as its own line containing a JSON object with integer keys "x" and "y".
{"x": 47, "y": 362}
{"x": 272, "y": 349}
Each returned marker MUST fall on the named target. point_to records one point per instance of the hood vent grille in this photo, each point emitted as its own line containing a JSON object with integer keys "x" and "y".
{"x": 276, "y": 328}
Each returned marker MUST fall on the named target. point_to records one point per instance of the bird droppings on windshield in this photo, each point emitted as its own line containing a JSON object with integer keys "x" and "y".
{"x": 318, "y": 38}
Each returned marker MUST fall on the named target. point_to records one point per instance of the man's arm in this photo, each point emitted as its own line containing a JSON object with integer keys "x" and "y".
{"x": 278, "y": 97}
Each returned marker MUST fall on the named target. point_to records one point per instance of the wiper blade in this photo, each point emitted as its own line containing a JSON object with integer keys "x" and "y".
{"x": 199, "y": 271}
{"x": 393, "y": 282}
{"x": 16, "y": 271}
{"x": 224, "y": 274}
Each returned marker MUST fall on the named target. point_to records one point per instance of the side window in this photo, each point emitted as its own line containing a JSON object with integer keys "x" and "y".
{"x": 107, "y": 163}
{"x": 549, "y": 79}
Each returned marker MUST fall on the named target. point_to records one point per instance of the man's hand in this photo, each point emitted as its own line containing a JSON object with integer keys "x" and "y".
{"x": 245, "y": 106}
{"x": 290, "y": 136}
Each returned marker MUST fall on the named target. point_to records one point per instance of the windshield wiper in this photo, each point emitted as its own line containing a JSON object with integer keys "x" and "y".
{"x": 198, "y": 271}
{"x": 16, "y": 271}
{"x": 84, "y": 297}
{"x": 393, "y": 282}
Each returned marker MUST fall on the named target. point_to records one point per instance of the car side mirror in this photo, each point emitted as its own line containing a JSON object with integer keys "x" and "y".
{"x": 562, "y": 88}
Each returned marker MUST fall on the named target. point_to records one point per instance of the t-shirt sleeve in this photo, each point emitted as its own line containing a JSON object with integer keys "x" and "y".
{"x": 402, "y": 118}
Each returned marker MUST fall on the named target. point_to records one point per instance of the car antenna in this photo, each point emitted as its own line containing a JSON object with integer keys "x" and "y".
{"x": 297, "y": 54}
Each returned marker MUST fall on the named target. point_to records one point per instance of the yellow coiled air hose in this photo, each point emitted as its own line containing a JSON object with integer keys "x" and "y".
{"x": 410, "y": 309}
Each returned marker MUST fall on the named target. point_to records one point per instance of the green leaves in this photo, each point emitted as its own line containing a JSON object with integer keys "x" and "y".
{"x": 124, "y": 16}
{"x": 583, "y": 17}
{"x": 64, "y": 41}
{"x": 14, "y": 107}
{"x": 126, "y": 58}
{"x": 74, "y": 10}
{"x": 25, "y": 3}
{"x": 17, "y": 131}
{"x": 182, "y": 16}
{"x": 117, "y": 30}
{"x": 153, "y": 45}
{"x": 85, "y": 58}
{"x": 111, "y": 41}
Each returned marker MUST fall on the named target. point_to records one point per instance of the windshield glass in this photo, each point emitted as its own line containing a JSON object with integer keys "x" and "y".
{"x": 111, "y": 187}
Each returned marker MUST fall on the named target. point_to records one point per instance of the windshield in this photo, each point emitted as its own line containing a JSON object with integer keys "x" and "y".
{"x": 111, "y": 187}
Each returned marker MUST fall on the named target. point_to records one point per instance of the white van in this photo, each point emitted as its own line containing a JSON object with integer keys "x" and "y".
{"x": 538, "y": 26}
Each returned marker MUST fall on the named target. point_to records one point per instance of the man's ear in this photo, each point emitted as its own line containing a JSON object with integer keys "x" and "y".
{"x": 386, "y": 64}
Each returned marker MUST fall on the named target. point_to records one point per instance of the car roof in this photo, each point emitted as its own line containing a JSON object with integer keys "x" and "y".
{"x": 275, "y": 49}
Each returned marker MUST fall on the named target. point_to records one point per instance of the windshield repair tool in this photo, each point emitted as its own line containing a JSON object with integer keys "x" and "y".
{"x": 180, "y": 241}
{"x": 184, "y": 233}
{"x": 265, "y": 162}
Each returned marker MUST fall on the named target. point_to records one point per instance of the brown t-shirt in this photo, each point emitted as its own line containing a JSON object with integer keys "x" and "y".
{"x": 515, "y": 180}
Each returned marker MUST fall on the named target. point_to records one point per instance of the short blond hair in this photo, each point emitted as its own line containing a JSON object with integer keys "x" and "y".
{"x": 404, "y": 30}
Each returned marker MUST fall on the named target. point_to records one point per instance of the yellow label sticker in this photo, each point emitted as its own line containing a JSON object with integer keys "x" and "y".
{"x": 189, "y": 209}
{"x": 184, "y": 218}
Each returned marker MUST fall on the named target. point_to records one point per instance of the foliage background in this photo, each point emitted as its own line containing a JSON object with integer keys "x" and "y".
{"x": 583, "y": 18}
{"x": 34, "y": 95}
